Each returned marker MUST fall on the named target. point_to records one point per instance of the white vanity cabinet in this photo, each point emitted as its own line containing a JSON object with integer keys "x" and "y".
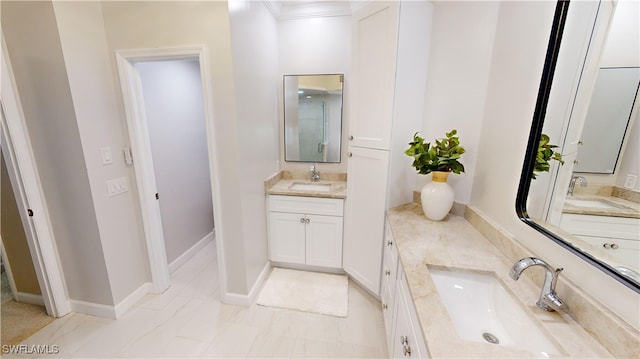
{"x": 306, "y": 230}
{"x": 408, "y": 340}
{"x": 405, "y": 338}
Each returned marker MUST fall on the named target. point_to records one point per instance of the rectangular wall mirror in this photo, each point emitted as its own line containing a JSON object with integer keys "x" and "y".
{"x": 313, "y": 118}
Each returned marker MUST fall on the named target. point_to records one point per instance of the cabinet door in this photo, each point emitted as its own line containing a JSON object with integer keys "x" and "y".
{"x": 287, "y": 237}
{"x": 365, "y": 208}
{"x": 408, "y": 341}
{"x": 324, "y": 241}
{"x": 375, "y": 36}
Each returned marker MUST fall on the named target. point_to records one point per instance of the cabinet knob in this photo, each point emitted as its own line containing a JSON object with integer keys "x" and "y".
{"x": 301, "y": 220}
{"x": 389, "y": 243}
{"x": 350, "y": 154}
{"x": 384, "y": 306}
{"x": 387, "y": 272}
{"x": 406, "y": 350}
{"x": 351, "y": 138}
{"x": 308, "y": 220}
{"x": 611, "y": 246}
{"x": 404, "y": 340}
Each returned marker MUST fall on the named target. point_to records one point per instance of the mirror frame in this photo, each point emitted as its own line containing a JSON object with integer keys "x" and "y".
{"x": 553, "y": 49}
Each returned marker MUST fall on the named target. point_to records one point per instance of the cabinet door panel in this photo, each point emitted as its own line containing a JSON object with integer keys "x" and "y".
{"x": 287, "y": 242}
{"x": 324, "y": 241}
{"x": 365, "y": 208}
{"x": 375, "y": 36}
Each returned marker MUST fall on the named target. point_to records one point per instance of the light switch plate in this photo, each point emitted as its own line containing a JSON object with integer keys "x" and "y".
{"x": 107, "y": 158}
{"x": 117, "y": 186}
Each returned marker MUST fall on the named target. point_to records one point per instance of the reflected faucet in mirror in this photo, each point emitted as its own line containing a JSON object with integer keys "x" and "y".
{"x": 572, "y": 183}
{"x": 549, "y": 299}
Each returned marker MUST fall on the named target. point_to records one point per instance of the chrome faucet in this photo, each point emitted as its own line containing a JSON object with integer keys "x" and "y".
{"x": 549, "y": 300}
{"x": 572, "y": 183}
{"x": 315, "y": 175}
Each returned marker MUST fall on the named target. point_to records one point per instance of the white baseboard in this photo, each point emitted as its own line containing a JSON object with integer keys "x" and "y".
{"x": 110, "y": 311}
{"x": 184, "y": 257}
{"x": 98, "y": 310}
{"x": 132, "y": 299}
{"x": 29, "y": 298}
{"x": 246, "y": 300}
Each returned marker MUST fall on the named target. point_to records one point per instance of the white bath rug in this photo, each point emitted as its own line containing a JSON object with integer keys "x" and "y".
{"x": 306, "y": 291}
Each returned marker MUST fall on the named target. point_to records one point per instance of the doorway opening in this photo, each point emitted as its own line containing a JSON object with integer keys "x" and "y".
{"x": 166, "y": 96}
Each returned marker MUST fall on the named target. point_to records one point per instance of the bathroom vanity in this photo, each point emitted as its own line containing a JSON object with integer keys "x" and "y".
{"x": 417, "y": 315}
{"x": 305, "y": 220}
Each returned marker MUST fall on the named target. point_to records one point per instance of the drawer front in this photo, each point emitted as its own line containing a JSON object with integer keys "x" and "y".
{"x": 601, "y": 226}
{"x": 309, "y": 205}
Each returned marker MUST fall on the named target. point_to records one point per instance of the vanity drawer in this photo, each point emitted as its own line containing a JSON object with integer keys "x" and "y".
{"x": 601, "y": 226}
{"x": 309, "y": 205}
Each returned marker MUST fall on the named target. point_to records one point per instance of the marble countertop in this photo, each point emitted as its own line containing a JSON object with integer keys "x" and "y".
{"x": 619, "y": 207}
{"x": 282, "y": 182}
{"x": 454, "y": 243}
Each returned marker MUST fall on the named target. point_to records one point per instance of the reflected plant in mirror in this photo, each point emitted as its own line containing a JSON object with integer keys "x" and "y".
{"x": 313, "y": 118}
{"x": 596, "y": 120}
{"x": 546, "y": 153}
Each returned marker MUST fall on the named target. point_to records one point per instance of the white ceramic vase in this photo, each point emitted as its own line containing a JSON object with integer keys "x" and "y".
{"x": 437, "y": 197}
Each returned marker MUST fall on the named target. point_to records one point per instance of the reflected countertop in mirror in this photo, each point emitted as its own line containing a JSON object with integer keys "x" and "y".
{"x": 604, "y": 201}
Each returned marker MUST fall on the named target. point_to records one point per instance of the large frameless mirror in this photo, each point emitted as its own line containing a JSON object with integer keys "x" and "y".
{"x": 313, "y": 118}
{"x": 588, "y": 107}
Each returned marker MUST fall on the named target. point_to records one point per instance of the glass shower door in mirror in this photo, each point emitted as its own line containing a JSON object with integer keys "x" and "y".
{"x": 313, "y": 118}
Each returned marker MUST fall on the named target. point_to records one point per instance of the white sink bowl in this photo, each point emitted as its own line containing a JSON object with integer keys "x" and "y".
{"x": 310, "y": 186}
{"x": 482, "y": 310}
{"x": 590, "y": 203}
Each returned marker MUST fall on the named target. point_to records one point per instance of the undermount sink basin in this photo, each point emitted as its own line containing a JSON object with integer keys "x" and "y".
{"x": 482, "y": 310}
{"x": 310, "y": 186}
{"x": 591, "y": 203}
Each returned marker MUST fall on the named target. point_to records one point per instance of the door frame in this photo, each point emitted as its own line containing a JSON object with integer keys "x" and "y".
{"x": 137, "y": 125}
{"x": 22, "y": 168}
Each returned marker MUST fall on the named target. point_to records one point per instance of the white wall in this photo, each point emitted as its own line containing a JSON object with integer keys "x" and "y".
{"x": 521, "y": 39}
{"x": 135, "y": 25}
{"x": 172, "y": 92}
{"x": 82, "y": 34}
{"x": 36, "y": 54}
{"x": 320, "y": 45}
{"x": 254, "y": 46}
{"x": 459, "y": 62}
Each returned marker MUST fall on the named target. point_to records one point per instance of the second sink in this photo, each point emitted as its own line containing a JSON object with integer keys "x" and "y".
{"x": 308, "y": 186}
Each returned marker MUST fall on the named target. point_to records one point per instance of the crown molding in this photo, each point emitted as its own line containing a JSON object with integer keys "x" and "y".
{"x": 294, "y": 10}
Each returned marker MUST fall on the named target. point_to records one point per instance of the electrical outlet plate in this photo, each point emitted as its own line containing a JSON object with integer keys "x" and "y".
{"x": 630, "y": 181}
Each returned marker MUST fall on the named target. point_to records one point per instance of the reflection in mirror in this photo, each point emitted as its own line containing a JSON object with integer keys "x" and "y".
{"x": 609, "y": 113}
{"x": 595, "y": 216}
{"x": 313, "y": 118}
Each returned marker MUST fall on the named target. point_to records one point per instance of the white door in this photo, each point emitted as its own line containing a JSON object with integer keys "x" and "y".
{"x": 364, "y": 229}
{"x": 324, "y": 241}
{"x": 287, "y": 237}
{"x": 375, "y": 37}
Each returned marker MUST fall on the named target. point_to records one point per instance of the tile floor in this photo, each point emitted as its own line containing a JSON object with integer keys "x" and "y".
{"x": 189, "y": 321}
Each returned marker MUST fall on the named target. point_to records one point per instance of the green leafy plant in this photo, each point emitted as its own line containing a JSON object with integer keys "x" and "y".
{"x": 441, "y": 156}
{"x": 545, "y": 154}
